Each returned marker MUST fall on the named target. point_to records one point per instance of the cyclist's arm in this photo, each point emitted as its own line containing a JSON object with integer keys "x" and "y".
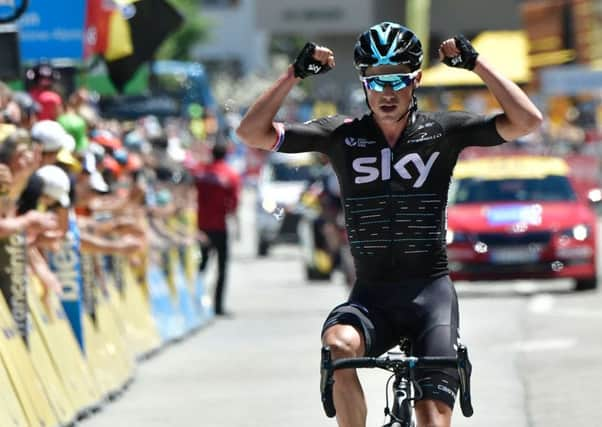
{"x": 520, "y": 115}
{"x": 257, "y": 128}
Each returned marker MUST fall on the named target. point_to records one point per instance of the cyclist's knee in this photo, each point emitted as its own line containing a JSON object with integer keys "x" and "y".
{"x": 433, "y": 413}
{"x": 344, "y": 341}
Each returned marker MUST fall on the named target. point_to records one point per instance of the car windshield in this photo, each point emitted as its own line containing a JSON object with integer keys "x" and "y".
{"x": 282, "y": 171}
{"x": 474, "y": 190}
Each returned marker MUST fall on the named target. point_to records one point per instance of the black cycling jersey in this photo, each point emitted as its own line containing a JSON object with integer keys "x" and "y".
{"x": 395, "y": 198}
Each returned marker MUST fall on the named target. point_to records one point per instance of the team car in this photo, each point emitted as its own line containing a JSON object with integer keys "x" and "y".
{"x": 282, "y": 180}
{"x": 519, "y": 217}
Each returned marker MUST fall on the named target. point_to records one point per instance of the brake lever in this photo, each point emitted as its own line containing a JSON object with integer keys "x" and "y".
{"x": 326, "y": 383}
{"x": 465, "y": 371}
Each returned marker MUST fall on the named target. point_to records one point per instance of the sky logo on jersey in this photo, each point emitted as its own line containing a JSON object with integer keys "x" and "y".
{"x": 358, "y": 142}
{"x": 366, "y": 166}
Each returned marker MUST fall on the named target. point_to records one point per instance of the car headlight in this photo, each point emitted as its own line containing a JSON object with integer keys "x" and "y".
{"x": 452, "y": 236}
{"x": 579, "y": 232}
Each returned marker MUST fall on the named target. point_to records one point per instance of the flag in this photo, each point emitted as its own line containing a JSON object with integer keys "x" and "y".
{"x": 107, "y": 31}
{"x": 150, "y": 22}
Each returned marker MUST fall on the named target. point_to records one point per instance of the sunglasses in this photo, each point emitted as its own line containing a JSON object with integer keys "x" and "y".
{"x": 397, "y": 81}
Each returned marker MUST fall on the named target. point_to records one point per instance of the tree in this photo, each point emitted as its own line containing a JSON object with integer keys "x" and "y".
{"x": 195, "y": 29}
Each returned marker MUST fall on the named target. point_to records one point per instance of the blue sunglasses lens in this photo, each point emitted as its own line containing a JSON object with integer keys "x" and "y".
{"x": 396, "y": 81}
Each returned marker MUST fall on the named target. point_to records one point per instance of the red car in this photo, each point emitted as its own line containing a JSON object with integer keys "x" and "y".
{"x": 519, "y": 217}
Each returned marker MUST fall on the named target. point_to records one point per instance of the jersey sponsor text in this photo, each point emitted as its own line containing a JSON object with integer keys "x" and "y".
{"x": 366, "y": 166}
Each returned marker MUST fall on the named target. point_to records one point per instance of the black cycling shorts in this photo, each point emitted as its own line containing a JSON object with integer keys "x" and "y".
{"x": 424, "y": 310}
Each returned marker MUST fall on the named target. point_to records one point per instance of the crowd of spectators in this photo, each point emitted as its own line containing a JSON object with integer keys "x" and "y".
{"x": 121, "y": 186}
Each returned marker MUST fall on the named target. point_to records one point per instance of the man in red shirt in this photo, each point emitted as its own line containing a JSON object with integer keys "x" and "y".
{"x": 43, "y": 77}
{"x": 218, "y": 188}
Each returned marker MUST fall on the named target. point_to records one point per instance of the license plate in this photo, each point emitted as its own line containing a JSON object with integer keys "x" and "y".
{"x": 514, "y": 255}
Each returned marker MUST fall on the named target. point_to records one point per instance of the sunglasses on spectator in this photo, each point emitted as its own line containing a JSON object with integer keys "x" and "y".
{"x": 397, "y": 81}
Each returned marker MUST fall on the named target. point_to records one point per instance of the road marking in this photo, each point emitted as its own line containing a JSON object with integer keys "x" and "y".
{"x": 541, "y": 303}
{"x": 544, "y": 345}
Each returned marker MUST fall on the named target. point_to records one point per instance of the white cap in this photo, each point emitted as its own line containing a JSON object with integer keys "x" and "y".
{"x": 56, "y": 184}
{"x": 52, "y": 136}
{"x": 97, "y": 181}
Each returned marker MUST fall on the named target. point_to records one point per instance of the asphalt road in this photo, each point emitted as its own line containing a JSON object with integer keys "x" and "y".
{"x": 535, "y": 348}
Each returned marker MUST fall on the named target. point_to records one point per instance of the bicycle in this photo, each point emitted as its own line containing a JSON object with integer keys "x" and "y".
{"x": 405, "y": 388}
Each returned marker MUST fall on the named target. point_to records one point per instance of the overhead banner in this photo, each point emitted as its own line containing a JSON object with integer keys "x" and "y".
{"x": 52, "y": 30}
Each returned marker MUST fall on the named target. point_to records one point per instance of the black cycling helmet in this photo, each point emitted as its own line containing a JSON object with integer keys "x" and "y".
{"x": 387, "y": 43}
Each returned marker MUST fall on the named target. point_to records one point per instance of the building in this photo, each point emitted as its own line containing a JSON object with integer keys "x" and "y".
{"x": 244, "y": 29}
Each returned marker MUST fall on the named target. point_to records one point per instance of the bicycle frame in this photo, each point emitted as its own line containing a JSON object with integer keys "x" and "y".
{"x": 402, "y": 412}
{"x": 403, "y": 368}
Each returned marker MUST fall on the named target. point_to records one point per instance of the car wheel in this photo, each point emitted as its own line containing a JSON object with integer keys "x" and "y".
{"x": 586, "y": 284}
{"x": 263, "y": 248}
{"x": 313, "y": 274}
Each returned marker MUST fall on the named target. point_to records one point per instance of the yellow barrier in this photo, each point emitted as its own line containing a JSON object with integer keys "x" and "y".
{"x": 51, "y": 381}
{"x": 141, "y": 331}
{"x": 60, "y": 342}
{"x": 115, "y": 327}
{"x": 111, "y": 365}
{"x": 11, "y": 413}
{"x": 29, "y": 388}
{"x": 46, "y": 371}
{"x": 97, "y": 358}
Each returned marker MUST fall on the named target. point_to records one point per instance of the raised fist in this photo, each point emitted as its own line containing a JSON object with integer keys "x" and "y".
{"x": 458, "y": 52}
{"x": 313, "y": 60}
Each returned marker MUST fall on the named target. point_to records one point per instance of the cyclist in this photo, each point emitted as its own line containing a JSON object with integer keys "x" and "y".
{"x": 394, "y": 166}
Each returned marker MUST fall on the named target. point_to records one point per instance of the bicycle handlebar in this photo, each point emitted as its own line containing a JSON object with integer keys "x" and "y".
{"x": 461, "y": 363}
{"x": 389, "y": 362}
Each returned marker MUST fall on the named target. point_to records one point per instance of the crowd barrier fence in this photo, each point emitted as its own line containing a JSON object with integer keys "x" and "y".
{"x": 77, "y": 351}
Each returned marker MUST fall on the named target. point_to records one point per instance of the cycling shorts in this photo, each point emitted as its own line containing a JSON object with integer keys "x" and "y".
{"x": 423, "y": 310}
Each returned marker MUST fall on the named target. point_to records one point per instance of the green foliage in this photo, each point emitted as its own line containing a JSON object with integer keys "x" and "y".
{"x": 193, "y": 30}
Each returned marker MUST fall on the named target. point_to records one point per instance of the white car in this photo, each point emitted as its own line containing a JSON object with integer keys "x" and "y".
{"x": 282, "y": 180}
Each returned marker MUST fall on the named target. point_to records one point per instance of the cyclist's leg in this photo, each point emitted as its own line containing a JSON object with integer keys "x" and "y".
{"x": 438, "y": 336}
{"x": 348, "y": 396}
{"x": 352, "y": 330}
{"x": 433, "y": 413}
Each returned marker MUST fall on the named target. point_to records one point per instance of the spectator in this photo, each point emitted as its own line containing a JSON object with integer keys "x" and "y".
{"x": 75, "y": 126}
{"x": 218, "y": 188}
{"x": 42, "y": 78}
{"x": 16, "y": 165}
{"x": 56, "y": 146}
{"x": 29, "y": 109}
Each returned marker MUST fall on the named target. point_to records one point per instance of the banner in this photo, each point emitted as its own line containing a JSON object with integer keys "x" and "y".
{"x": 13, "y": 280}
{"x": 52, "y": 30}
{"x": 66, "y": 263}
